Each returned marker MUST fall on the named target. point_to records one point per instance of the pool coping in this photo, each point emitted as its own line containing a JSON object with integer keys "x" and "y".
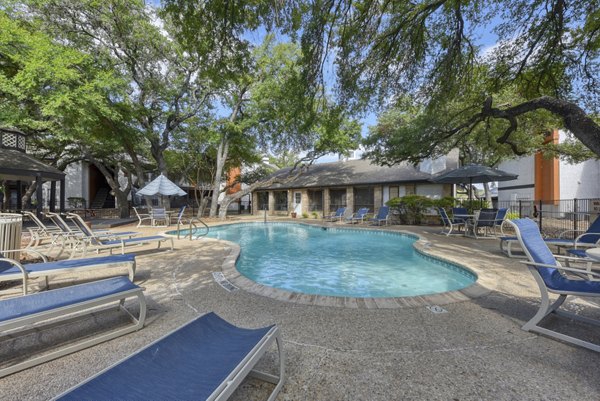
{"x": 422, "y": 245}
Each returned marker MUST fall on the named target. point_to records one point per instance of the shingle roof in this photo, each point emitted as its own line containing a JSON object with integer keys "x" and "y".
{"x": 351, "y": 172}
{"x": 16, "y": 165}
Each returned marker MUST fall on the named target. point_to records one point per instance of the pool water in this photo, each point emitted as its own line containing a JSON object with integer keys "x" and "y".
{"x": 338, "y": 261}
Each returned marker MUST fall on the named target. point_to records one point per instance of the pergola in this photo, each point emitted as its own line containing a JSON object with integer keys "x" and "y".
{"x": 16, "y": 165}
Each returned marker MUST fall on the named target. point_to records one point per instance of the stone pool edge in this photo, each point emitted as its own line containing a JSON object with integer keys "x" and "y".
{"x": 422, "y": 245}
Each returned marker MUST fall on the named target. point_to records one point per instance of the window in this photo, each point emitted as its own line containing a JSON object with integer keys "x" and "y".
{"x": 315, "y": 200}
{"x": 337, "y": 199}
{"x": 263, "y": 200}
{"x": 298, "y": 198}
{"x": 281, "y": 200}
{"x": 364, "y": 197}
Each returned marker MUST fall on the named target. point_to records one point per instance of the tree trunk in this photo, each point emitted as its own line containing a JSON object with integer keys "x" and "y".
{"x": 222, "y": 153}
{"x": 30, "y": 191}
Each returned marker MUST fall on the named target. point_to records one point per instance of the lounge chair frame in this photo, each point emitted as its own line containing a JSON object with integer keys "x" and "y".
{"x": 547, "y": 307}
{"x": 25, "y": 275}
{"x": 53, "y": 316}
{"x": 91, "y": 242}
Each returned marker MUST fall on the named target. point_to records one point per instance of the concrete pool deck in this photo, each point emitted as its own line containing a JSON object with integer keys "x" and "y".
{"x": 474, "y": 351}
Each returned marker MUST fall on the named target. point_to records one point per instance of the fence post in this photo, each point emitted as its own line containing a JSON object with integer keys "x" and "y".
{"x": 520, "y": 209}
{"x": 575, "y": 217}
{"x": 541, "y": 215}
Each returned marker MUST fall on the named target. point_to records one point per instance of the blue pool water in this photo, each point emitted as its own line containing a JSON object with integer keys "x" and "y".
{"x": 339, "y": 262}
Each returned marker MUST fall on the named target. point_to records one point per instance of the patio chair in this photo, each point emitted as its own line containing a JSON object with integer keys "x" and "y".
{"x": 159, "y": 214}
{"x": 588, "y": 239}
{"x": 500, "y": 218}
{"x": 142, "y": 217}
{"x": 552, "y": 277}
{"x": 206, "y": 359}
{"x": 448, "y": 223}
{"x": 179, "y": 217}
{"x": 20, "y": 314}
{"x": 486, "y": 220}
{"x": 91, "y": 241}
{"x": 382, "y": 215}
{"x": 337, "y": 216}
{"x": 459, "y": 215}
{"x": 359, "y": 216}
{"x": 11, "y": 269}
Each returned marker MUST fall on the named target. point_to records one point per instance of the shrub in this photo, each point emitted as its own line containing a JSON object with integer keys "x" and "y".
{"x": 305, "y": 215}
{"x": 315, "y": 215}
{"x": 411, "y": 208}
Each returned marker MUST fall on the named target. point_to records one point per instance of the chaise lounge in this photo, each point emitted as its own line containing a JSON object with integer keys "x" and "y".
{"x": 205, "y": 359}
{"x": 13, "y": 270}
{"x": 91, "y": 241}
{"x": 21, "y": 314}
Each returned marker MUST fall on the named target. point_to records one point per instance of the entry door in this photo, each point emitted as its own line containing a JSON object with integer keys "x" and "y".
{"x": 298, "y": 202}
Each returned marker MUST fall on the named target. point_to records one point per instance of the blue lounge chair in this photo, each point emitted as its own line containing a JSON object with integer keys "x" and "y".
{"x": 588, "y": 239}
{"x": 382, "y": 215}
{"x": 552, "y": 277}
{"x": 91, "y": 241}
{"x": 206, "y": 359}
{"x": 500, "y": 218}
{"x": 359, "y": 216}
{"x": 20, "y": 314}
{"x": 337, "y": 216}
{"x": 13, "y": 270}
{"x": 448, "y": 223}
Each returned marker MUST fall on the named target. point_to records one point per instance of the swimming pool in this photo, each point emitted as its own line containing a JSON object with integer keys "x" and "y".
{"x": 338, "y": 261}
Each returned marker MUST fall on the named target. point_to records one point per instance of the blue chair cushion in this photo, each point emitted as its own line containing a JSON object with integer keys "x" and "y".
{"x": 580, "y": 253}
{"x": 188, "y": 364}
{"x": 26, "y": 305}
{"x": 70, "y": 263}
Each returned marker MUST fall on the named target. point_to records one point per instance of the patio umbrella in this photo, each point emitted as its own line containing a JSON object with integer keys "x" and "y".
{"x": 163, "y": 186}
{"x": 473, "y": 173}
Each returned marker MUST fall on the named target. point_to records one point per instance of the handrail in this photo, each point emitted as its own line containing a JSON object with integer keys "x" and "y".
{"x": 190, "y": 230}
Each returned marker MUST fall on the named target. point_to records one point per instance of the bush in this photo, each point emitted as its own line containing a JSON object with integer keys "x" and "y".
{"x": 411, "y": 208}
{"x": 305, "y": 215}
{"x": 446, "y": 203}
{"x": 315, "y": 215}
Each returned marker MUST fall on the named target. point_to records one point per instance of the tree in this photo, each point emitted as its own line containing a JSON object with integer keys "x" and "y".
{"x": 166, "y": 85}
{"x": 547, "y": 52}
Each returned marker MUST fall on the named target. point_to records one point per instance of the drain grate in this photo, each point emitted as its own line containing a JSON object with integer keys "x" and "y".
{"x": 436, "y": 309}
{"x": 223, "y": 282}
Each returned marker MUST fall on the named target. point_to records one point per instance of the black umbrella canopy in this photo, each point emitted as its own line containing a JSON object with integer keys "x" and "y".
{"x": 474, "y": 173}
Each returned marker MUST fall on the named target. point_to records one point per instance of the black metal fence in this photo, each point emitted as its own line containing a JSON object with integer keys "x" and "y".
{"x": 554, "y": 216}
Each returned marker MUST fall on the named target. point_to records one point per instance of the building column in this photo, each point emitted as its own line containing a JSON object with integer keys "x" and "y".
{"x": 52, "y": 196}
{"x": 304, "y": 198}
{"x": 19, "y": 195}
{"x": 271, "y": 203}
{"x": 38, "y": 194}
{"x": 254, "y": 203}
{"x": 350, "y": 199}
{"x": 326, "y": 201}
{"x": 63, "y": 191}
{"x": 290, "y": 201}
